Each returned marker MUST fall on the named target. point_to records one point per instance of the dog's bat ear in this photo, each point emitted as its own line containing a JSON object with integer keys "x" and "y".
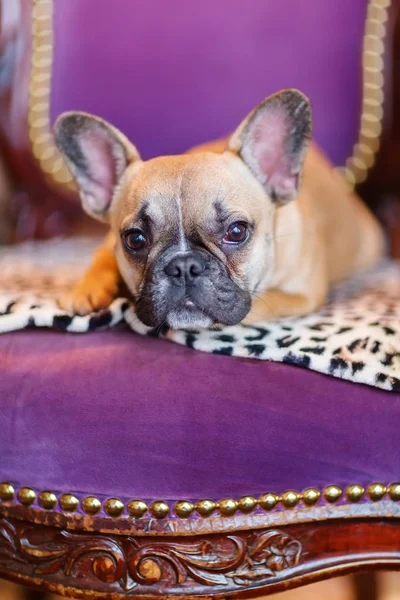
{"x": 97, "y": 155}
{"x": 273, "y": 142}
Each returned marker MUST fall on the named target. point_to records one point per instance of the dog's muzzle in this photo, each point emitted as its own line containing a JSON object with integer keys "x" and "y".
{"x": 191, "y": 290}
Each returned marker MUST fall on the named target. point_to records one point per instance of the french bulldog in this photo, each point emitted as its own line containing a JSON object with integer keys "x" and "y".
{"x": 247, "y": 229}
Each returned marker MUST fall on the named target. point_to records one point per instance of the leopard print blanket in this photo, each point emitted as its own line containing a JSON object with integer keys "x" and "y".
{"x": 356, "y": 336}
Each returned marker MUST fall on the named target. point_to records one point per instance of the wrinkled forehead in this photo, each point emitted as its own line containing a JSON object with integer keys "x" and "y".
{"x": 187, "y": 190}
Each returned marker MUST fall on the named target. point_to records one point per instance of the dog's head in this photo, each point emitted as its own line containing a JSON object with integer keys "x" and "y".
{"x": 194, "y": 232}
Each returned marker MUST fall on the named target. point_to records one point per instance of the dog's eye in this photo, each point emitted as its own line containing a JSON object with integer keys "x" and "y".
{"x": 237, "y": 233}
{"x": 135, "y": 240}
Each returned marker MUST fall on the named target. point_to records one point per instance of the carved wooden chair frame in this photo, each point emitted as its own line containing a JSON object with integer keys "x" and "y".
{"x": 80, "y": 546}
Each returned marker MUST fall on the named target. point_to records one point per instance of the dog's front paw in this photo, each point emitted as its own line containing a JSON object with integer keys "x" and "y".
{"x": 90, "y": 294}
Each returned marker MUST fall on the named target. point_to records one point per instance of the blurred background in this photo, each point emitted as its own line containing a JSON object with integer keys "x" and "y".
{"x": 174, "y": 74}
{"x": 342, "y": 588}
{"x": 359, "y": 587}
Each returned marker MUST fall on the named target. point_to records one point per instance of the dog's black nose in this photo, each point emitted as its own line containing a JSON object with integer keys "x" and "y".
{"x": 185, "y": 267}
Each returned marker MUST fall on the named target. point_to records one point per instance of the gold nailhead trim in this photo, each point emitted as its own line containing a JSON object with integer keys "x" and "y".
{"x": 6, "y": 492}
{"x": 137, "y": 508}
{"x": 69, "y": 503}
{"x": 113, "y": 507}
{"x": 26, "y": 496}
{"x": 184, "y": 509}
{"x": 247, "y": 504}
{"x": 47, "y": 500}
{"x": 268, "y": 501}
{"x": 376, "y": 491}
{"x": 290, "y": 499}
{"x": 205, "y": 507}
{"x": 394, "y": 491}
{"x": 91, "y": 505}
{"x": 311, "y": 496}
{"x": 332, "y": 493}
{"x": 227, "y": 507}
{"x": 354, "y": 493}
{"x": 159, "y": 509}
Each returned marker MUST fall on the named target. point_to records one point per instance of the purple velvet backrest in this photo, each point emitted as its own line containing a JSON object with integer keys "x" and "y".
{"x": 174, "y": 73}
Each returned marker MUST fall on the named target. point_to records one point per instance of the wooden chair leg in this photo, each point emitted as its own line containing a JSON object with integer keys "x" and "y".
{"x": 365, "y": 585}
{"x": 29, "y": 594}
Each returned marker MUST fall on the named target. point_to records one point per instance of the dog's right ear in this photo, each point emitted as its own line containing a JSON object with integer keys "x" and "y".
{"x": 97, "y": 155}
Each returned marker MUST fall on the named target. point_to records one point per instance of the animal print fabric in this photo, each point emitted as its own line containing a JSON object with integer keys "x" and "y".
{"x": 355, "y": 336}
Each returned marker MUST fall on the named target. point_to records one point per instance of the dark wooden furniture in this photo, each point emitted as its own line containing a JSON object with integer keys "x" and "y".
{"x": 227, "y": 557}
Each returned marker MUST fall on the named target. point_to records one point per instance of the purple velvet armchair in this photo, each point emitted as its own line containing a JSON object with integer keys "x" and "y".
{"x": 133, "y": 467}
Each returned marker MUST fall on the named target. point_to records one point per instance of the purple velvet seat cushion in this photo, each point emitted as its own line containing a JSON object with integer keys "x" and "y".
{"x": 177, "y": 73}
{"x": 117, "y": 414}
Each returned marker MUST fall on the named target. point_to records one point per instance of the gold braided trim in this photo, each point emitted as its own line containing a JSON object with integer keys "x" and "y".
{"x": 355, "y": 169}
{"x": 364, "y": 151}
{"x": 160, "y": 509}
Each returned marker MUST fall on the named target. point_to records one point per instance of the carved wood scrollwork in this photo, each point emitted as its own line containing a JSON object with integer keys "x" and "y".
{"x": 140, "y": 564}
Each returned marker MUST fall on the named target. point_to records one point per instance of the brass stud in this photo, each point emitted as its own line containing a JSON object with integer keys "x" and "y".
{"x": 137, "y": 508}
{"x": 290, "y": 499}
{"x": 205, "y": 507}
{"x": 26, "y": 496}
{"x": 311, "y": 496}
{"x": 355, "y": 492}
{"x": 184, "y": 509}
{"x": 247, "y": 504}
{"x": 332, "y": 493}
{"x": 268, "y": 501}
{"x": 91, "y": 505}
{"x": 394, "y": 491}
{"x": 227, "y": 507}
{"x": 159, "y": 509}
{"x": 113, "y": 507}
{"x": 68, "y": 502}
{"x": 376, "y": 491}
{"x": 6, "y": 491}
{"x": 47, "y": 500}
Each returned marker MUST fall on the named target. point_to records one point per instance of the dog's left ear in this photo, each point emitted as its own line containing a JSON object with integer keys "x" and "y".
{"x": 273, "y": 142}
